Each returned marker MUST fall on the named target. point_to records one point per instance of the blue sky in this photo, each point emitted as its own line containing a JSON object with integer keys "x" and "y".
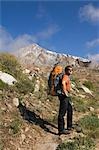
{"x": 70, "y": 27}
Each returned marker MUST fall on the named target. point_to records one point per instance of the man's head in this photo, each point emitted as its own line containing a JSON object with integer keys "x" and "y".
{"x": 68, "y": 70}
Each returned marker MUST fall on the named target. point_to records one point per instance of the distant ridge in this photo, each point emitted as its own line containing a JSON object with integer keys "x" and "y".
{"x": 36, "y": 55}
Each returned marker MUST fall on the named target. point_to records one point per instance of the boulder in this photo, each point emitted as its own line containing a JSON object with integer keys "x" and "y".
{"x": 16, "y": 102}
{"x": 86, "y": 90}
{"x": 26, "y": 71}
{"x": 7, "y": 78}
{"x": 91, "y": 109}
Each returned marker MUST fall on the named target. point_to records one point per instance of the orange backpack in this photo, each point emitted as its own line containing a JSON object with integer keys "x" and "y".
{"x": 54, "y": 81}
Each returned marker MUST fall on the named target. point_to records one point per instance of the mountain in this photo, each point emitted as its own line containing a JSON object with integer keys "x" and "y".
{"x": 38, "y": 56}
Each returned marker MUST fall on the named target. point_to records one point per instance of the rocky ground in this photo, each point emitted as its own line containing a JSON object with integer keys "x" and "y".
{"x": 32, "y": 124}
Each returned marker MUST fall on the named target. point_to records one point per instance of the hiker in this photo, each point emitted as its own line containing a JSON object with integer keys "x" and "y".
{"x": 65, "y": 103}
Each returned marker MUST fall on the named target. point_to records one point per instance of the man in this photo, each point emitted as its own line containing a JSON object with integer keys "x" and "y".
{"x": 65, "y": 103}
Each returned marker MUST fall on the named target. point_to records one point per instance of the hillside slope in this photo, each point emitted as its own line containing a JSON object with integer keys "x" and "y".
{"x": 32, "y": 124}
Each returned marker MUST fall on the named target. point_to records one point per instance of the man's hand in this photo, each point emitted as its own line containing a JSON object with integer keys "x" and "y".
{"x": 66, "y": 93}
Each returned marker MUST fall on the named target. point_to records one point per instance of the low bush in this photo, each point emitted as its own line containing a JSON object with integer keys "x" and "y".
{"x": 90, "y": 122}
{"x": 89, "y": 85}
{"x": 3, "y": 85}
{"x": 90, "y": 125}
{"x": 10, "y": 65}
{"x": 15, "y": 126}
{"x": 79, "y": 104}
{"x": 24, "y": 85}
{"x": 78, "y": 143}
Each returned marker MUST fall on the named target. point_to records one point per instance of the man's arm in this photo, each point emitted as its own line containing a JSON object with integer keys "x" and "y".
{"x": 64, "y": 88}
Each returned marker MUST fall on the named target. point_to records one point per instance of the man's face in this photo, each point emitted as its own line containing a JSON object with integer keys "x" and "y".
{"x": 70, "y": 70}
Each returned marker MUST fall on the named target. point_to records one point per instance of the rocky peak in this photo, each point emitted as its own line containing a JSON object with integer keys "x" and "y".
{"x": 38, "y": 56}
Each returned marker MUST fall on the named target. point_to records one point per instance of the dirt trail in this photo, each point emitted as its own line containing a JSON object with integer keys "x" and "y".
{"x": 49, "y": 142}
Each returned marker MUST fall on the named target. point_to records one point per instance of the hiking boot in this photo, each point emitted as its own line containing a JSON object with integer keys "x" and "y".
{"x": 64, "y": 132}
{"x": 70, "y": 128}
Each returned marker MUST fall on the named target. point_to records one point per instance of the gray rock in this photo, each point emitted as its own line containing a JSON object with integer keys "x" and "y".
{"x": 78, "y": 129}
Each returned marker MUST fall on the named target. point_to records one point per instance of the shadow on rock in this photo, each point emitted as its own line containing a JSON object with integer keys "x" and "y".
{"x": 32, "y": 117}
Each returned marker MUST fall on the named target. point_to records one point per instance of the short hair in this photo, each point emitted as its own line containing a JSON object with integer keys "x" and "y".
{"x": 67, "y": 68}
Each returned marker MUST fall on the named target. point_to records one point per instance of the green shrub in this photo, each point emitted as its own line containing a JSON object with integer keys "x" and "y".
{"x": 90, "y": 125}
{"x": 67, "y": 146}
{"x": 10, "y": 65}
{"x": 79, "y": 104}
{"x": 90, "y": 122}
{"x": 92, "y": 102}
{"x": 3, "y": 85}
{"x": 94, "y": 134}
{"x": 74, "y": 79}
{"x": 79, "y": 143}
{"x": 88, "y": 84}
{"x": 25, "y": 85}
{"x": 15, "y": 126}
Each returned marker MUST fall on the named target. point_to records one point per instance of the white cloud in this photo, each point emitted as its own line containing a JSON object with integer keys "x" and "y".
{"x": 93, "y": 43}
{"x": 48, "y": 32}
{"x": 89, "y": 13}
{"x": 40, "y": 11}
{"x": 5, "y": 38}
{"x": 22, "y": 41}
{"x": 8, "y": 43}
{"x": 94, "y": 57}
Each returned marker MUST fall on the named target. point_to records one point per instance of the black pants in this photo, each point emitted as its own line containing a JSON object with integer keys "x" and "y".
{"x": 65, "y": 106}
